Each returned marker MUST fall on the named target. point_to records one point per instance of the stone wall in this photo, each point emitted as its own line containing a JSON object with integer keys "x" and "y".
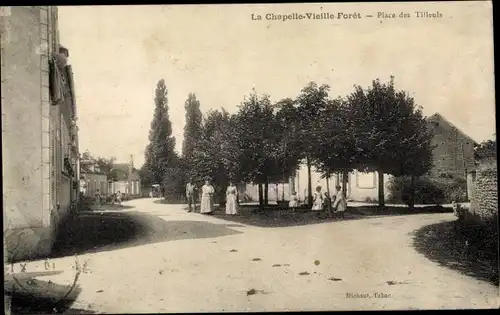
{"x": 454, "y": 152}
{"x": 484, "y": 203}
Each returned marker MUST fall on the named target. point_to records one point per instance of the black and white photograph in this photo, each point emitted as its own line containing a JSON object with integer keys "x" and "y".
{"x": 249, "y": 157}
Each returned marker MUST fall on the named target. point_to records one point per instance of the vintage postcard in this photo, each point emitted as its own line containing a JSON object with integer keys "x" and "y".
{"x": 249, "y": 157}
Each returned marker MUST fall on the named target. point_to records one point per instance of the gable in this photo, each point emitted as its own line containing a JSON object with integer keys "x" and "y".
{"x": 438, "y": 121}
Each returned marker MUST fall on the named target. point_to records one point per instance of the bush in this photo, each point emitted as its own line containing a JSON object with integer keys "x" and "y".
{"x": 426, "y": 191}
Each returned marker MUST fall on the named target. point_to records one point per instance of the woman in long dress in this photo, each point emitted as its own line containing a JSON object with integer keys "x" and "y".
{"x": 207, "y": 198}
{"x": 231, "y": 199}
{"x": 340, "y": 204}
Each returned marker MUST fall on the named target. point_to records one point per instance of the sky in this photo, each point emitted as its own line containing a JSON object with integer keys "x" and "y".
{"x": 218, "y": 52}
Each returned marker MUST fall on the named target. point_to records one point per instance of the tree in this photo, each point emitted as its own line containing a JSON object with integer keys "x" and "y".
{"x": 486, "y": 150}
{"x": 160, "y": 155}
{"x": 105, "y": 164}
{"x": 215, "y": 154}
{"x": 389, "y": 131}
{"x": 289, "y": 150}
{"x": 258, "y": 141}
{"x": 312, "y": 101}
{"x": 337, "y": 152}
{"x": 192, "y": 129}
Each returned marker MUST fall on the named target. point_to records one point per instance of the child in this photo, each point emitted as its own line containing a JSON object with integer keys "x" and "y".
{"x": 340, "y": 204}
{"x": 327, "y": 205}
{"x": 294, "y": 201}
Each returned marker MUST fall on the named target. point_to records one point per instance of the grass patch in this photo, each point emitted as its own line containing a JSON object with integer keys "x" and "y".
{"x": 469, "y": 248}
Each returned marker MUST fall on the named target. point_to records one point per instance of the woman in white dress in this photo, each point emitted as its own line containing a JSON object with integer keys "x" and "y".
{"x": 231, "y": 199}
{"x": 207, "y": 198}
{"x": 318, "y": 200}
{"x": 340, "y": 204}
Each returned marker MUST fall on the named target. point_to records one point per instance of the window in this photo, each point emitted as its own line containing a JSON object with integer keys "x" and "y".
{"x": 64, "y": 143}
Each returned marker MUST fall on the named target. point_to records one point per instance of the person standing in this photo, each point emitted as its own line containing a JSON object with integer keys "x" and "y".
{"x": 318, "y": 200}
{"x": 190, "y": 193}
{"x": 294, "y": 201}
{"x": 119, "y": 197}
{"x": 340, "y": 204}
{"x": 327, "y": 205}
{"x": 207, "y": 198}
{"x": 231, "y": 199}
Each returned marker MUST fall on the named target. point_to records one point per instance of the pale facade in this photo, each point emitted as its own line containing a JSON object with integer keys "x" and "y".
{"x": 39, "y": 132}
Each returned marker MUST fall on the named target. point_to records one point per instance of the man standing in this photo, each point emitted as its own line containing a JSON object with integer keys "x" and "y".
{"x": 190, "y": 189}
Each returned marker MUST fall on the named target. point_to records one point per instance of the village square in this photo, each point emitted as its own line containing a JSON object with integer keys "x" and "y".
{"x": 154, "y": 164}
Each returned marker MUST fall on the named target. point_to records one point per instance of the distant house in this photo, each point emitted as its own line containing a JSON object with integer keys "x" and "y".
{"x": 92, "y": 179}
{"x": 453, "y": 155}
{"x": 127, "y": 180}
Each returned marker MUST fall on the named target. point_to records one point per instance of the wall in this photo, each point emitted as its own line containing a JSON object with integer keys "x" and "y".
{"x": 25, "y": 130}
{"x": 360, "y": 186}
{"x": 95, "y": 182}
{"x": 364, "y": 186}
{"x": 484, "y": 201}
{"x": 454, "y": 152}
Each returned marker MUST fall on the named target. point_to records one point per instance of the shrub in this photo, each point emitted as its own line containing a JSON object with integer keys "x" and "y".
{"x": 429, "y": 190}
{"x": 426, "y": 191}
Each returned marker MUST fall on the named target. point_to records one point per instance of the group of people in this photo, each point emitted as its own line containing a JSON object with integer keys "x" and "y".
{"x": 101, "y": 199}
{"x": 207, "y": 198}
{"x": 322, "y": 201}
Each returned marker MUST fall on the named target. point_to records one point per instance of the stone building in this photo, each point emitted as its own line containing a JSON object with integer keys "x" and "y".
{"x": 39, "y": 133}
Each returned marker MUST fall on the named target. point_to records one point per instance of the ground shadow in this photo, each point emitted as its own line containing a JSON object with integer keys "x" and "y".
{"x": 275, "y": 217}
{"x": 168, "y": 202}
{"x": 448, "y": 245}
{"x": 110, "y": 207}
{"x": 93, "y": 232}
{"x": 33, "y": 296}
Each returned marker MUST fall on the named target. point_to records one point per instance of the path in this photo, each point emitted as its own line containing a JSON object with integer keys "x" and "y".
{"x": 187, "y": 262}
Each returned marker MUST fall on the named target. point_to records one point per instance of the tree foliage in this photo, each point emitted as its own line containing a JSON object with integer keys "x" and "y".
{"x": 192, "y": 128}
{"x": 214, "y": 154}
{"x": 105, "y": 164}
{"x": 486, "y": 150}
{"x": 160, "y": 155}
{"x": 389, "y": 131}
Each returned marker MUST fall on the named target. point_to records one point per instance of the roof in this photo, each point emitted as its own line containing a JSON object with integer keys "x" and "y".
{"x": 441, "y": 117}
{"x": 122, "y": 170}
{"x": 85, "y": 168}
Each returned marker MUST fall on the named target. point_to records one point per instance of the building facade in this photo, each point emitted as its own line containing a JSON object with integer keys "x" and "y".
{"x": 127, "y": 181}
{"x": 453, "y": 154}
{"x": 39, "y": 131}
{"x": 92, "y": 180}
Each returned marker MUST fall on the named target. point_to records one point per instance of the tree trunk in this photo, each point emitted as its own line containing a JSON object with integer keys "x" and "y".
{"x": 381, "y": 198}
{"x": 345, "y": 178}
{"x": 328, "y": 184}
{"x": 261, "y": 197}
{"x": 411, "y": 201}
{"x": 309, "y": 183}
{"x": 291, "y": 184}
{"x": 266, "y": 193}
